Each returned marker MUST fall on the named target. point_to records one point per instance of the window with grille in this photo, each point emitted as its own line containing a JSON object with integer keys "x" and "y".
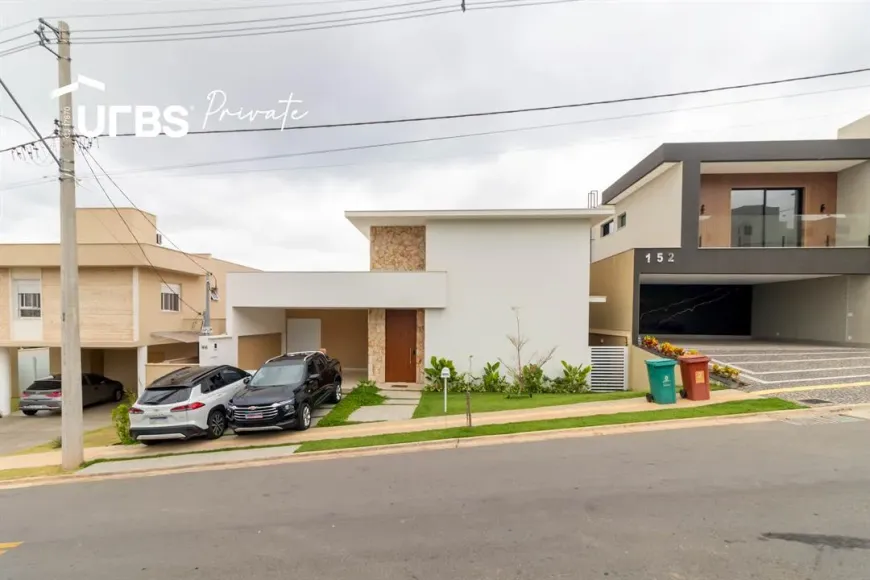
{"x": 29, "y": 299}
{"x": 170, "y": 298}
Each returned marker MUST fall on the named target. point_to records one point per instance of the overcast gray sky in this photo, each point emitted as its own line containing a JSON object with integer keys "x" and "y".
{"x": 264, "y": 215}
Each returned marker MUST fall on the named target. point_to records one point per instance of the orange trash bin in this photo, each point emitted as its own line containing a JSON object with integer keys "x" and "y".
{"x": 695, "y": 372}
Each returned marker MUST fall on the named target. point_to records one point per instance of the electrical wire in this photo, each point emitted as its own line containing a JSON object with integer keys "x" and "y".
{"x": 32, "y": 126}
{"x": 144, "y": 215}
{"x": 193, "y": 10}
{"x": 322, "y": 25}
{"x": 25, "y": 35}
{"x": 462, "y": 135}
{"x": 527, "y": 109}
{"x": 129, "y": 229}
{"x": 16, "y": 25}
{"x": 47, "y": 178}
{"x": 18, "y": 49}
{"x": 256, "y": 20}
{"x": 265, "y": 31}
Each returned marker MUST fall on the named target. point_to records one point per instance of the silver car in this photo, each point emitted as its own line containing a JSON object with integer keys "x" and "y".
{"x": 47, "y": 394}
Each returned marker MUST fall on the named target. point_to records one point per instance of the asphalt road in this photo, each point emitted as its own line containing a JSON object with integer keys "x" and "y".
{"x": 767, "y": 501}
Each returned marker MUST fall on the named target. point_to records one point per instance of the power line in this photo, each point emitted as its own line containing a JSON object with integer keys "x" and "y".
{"x": 527, "y": 109}
{"x": 464, "y": 135}
{"x": 144, "y": 215}
{"x": 25, "y": 35}
{"x": 32, "y": 126}
{"x": 18, "y": 49}
{"x": 85, "y": 155}
{"x": 341, "y": 23}
{"x": 255, "y": 20}
{"x": 45, "y": 179}
{"x": 16, "y": 25}
{"x": 193, "y": 10}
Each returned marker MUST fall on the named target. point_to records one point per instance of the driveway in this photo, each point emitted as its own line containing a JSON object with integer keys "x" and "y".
{"x": 767, "y": 365}
{"x": 18, "y": 432}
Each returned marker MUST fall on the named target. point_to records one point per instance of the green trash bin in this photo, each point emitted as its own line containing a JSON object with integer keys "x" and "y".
{"x": 662, "y": 383}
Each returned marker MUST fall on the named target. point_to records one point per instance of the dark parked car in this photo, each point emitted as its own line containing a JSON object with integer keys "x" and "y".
{"x": 282, "y": 394}
{"x": 47, "y": 394}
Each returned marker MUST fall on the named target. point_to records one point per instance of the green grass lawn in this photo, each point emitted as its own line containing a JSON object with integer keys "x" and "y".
{"x": 718, "y": 409}
{"x": 432, "y": 404}
{"x": 364, "y": 395}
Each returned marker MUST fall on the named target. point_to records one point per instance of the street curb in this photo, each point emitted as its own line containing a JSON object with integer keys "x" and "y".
{"x": 443, "y": 444}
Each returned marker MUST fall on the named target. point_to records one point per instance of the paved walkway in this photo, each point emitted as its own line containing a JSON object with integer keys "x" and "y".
{"x": 411, "y": 425}
{"x": 178, "y": 461}
{"x": 400, "y": 405}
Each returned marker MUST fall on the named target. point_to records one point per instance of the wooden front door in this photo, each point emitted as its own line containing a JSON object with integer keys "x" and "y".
{"x": 401, "y": 346}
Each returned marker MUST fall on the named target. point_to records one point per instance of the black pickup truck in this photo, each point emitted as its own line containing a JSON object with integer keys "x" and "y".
{"x": 282, "y": 394}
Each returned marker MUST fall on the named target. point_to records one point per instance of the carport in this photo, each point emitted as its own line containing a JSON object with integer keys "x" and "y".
{"x": 780, "y": 308}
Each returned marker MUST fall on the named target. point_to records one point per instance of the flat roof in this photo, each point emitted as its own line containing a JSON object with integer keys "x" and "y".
{"x": 720, "y": 152}
{"x": 364, "y": 220}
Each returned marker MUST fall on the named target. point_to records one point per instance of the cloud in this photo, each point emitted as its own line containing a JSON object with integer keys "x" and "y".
{"x": 482, "y": 60}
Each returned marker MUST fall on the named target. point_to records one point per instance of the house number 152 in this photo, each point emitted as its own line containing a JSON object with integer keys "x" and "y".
{"x": 659, "y": 257}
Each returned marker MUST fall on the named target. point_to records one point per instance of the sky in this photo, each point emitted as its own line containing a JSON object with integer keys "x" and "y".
{"x": 287, "y": 213}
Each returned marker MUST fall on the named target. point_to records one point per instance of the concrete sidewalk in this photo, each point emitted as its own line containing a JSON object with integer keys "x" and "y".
{"x": 230, "y": 442}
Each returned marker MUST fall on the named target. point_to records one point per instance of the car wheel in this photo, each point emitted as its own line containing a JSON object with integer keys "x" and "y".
{"x": 303, "y": 417}
{"x": 29, "y": 412}
{"x": 336, "y": 393}
{"x": 118, "y": 395}
{"x": 217, "y": 424}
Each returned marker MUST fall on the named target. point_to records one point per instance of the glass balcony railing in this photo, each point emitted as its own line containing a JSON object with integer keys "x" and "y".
{"x": 777, "y": 231}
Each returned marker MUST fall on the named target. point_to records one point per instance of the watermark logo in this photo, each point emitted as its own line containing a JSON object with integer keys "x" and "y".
{"x": 149, "y": 120}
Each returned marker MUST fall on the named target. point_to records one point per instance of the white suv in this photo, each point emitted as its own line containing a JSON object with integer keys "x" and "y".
{"x": 189, "y": 402}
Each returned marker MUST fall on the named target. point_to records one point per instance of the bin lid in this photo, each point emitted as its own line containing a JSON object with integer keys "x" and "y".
{"x": 661, "y": 362}
{"x": 694, "y": 358}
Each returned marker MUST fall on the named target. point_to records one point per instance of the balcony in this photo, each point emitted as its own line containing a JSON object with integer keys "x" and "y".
{"x": 802, "y": 204}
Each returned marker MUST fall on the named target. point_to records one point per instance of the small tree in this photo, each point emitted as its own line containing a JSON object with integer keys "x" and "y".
{"x": 518, "y": 371}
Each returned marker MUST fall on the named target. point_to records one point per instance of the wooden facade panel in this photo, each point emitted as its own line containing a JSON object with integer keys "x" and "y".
{"x": 820, "y": 198}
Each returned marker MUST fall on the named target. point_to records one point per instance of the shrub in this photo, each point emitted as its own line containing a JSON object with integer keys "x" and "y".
{"x": 573, "y": 379}
{"x": 650, "y": 342}
{"x": 121, "y": 419}
{"x": 492, "y": 380}
{"x": 433, "y": 371}
{"x": 532, "y": 378}
{"x": 667, "y": 349}
{"x": 725, "y": 371}
{"x": 679, "y": 351}
{"x": 692, "y": 351}
{"x": 458, "y": 384}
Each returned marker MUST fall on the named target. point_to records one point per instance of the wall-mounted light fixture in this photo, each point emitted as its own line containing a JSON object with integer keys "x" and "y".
{"x": 703, "y": 208}
{"x": 822, "y": 208}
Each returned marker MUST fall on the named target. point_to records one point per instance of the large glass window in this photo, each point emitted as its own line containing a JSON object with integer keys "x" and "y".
{"x": 765, "y": 218}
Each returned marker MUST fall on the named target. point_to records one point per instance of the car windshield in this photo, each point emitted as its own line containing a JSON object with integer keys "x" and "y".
{"x": 166, "y": 396}
{"x": 276, "y": 375}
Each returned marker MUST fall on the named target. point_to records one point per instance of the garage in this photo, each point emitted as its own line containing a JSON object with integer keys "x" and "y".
{"x": 813, "y": 309}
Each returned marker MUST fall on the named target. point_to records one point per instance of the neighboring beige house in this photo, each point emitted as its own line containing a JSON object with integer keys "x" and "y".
{"x": 134, "y": 309}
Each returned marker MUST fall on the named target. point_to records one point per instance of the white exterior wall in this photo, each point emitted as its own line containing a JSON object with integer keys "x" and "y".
{"x": 859, "y": 129}
{"x": 337, "y": 289}
{"x": 853, "y": 201}
{"x": 653, "y": 217}
{"x": 540, "y": 266}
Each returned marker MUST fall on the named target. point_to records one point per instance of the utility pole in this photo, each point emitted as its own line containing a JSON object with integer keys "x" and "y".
{"x": 72, "y": 452}
{"x": 206, "y": 313}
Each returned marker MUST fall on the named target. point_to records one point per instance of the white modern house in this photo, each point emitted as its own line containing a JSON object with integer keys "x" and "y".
{"x": 441, "y": 283}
